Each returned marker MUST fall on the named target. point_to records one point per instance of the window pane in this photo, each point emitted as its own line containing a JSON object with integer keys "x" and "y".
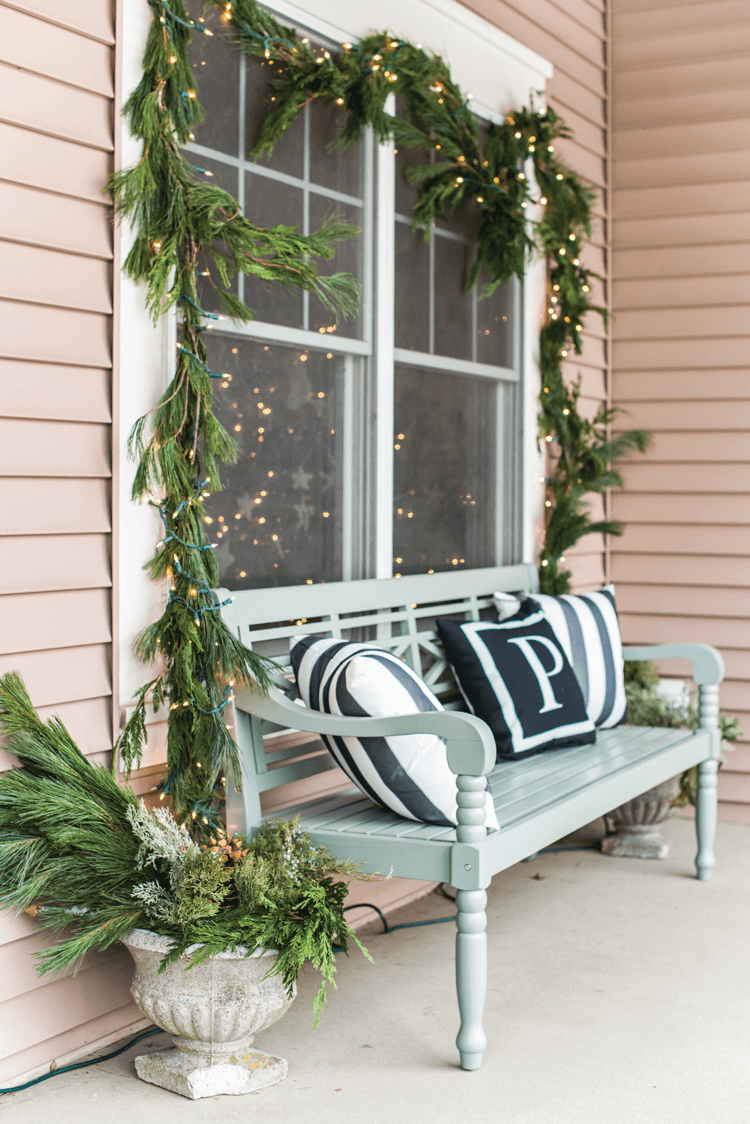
{"x": 336, "y": 168}
{"x": 271, "y": 203}
{"x": 444, "y": 472}
{"x": 289, "y": 151}
{"x": 216, "y": 64}
{"x": 348, "y": 258}
{"x": 279, "y": 519}
{"x": 494, "y": 327}
{"x": 453, "y": 305}
{"x": 412, "y": 307}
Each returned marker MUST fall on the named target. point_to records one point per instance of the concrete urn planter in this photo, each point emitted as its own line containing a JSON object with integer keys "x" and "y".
{"x": 212, "y": 1010}
{"x": 636, "y": 823}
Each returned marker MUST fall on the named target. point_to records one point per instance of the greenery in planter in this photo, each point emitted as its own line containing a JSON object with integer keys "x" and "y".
{"x": 647, "y": 708}
{"x": 82, "y": 854}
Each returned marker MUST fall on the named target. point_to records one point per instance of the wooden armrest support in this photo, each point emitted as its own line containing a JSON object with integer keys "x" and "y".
{"x": 470, "y": 743}
{"x": 708, "y": 665}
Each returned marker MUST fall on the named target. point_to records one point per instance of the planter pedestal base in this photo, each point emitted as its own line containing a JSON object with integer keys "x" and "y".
{"x": 193, "y": 1075}
{"x": 634, "y": 841}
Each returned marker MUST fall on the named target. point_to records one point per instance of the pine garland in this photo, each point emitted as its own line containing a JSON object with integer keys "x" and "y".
{"x": 186, "y": 228}
{"x": 184, "y": 224}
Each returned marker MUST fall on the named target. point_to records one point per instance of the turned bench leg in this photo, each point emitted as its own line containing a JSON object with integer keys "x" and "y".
{"x": 705, "y": 819}
{"x": 471, "y": 974}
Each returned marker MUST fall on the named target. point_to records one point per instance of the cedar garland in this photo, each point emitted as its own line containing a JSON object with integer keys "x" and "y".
{"x": 186, "y": 227}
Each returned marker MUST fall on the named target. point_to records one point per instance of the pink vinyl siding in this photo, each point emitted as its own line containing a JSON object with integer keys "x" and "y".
{"x": 55, "y": 454}
{"x": 681, "y": 296}
{"x": 573, "y": 37}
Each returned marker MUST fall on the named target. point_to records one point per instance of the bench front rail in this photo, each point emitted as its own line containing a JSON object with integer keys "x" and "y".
{"x": 537, "y": 800}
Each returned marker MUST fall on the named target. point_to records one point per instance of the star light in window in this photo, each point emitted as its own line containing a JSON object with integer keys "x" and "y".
{"x": 304, "y": 511}
{"x": 301, "y": 479}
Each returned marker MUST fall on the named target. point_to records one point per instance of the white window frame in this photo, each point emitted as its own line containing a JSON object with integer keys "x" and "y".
{"x": 500, "y": 72}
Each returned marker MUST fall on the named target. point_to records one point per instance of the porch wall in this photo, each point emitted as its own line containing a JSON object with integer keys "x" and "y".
{"x": 573, "y": 36}
{"x": 55, "y": 452}
{"x": 681, "y": 287}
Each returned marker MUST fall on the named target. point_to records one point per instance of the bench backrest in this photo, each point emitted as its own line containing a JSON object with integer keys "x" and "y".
{"x": 396, "y": 613}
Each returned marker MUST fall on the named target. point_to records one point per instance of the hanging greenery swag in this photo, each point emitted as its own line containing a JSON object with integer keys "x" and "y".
{"x": 186, "y": 228}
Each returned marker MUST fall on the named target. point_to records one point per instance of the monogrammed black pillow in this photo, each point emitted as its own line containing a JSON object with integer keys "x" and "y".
{"x": 515, "y": 675}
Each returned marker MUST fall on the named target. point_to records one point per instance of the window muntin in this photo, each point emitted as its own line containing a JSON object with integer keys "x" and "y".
{"x": 456, "y": 354}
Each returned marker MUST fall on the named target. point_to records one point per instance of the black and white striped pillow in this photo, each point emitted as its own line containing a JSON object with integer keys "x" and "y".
{"x": 408, "y": 774}
{"x": 588, "y": 629}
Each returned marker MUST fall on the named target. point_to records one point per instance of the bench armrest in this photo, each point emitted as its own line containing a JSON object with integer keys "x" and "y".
{"x": 708, "y": 666}
{"x": 469, "y": 741}
{"x": 708, "y": 672}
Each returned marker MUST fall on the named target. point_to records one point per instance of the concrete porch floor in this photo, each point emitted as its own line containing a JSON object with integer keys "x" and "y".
{"x": 618, "y": 994}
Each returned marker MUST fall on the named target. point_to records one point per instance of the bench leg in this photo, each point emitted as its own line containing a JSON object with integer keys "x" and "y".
{"x": 705, "y": 819}
{"x": 471, "y": 974}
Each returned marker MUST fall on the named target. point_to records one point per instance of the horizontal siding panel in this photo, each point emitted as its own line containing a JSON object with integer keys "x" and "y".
{"x": 656, "y": 81}
{"x": 671, "y": 292}
{"x": 711, "y": 105}
{"x": 639, "y": 386}
{"x": 594, "y": 352}
{"x": 678, "y": 140}
{"x": 66, "y": 1002}
{"x": 681, "y": 600}
{"x": 708, "y": 416}
{"x": 33, "y": 563}
{"x": 53, "y": 448}
{"x": 632, "y": 355}
{"x": 53, "y": 164}
{"x": 593, "y": 258}
{"x": 83, "y": 16}
{"x": 52, "y": 277}
{"x": 588, "y": 165}
{"x": 572, "y": 95}
{"x": 666, "y": 323}
{"x": 696, "y": 448}
{"x": 53, "y": 507}
{"x": 707, "y": 537}
{"x": 732, "y": 813}
{"x": 89, "y": 723}
{"x": 692, "y": 478}
{"x": 63, "y": 675}
{"x": 735, "y": 696}
{"x": 19, "y": 975}
{"x": 47, "y": 390}
{"x": 107, "y": 1029}
{"x": 59, "y": 222}
{"x": 652, "y": 629}
{"x": 661, "y": 18}
{"x": 593, "y": 381}
{"x": 43, "y": 48}
{"x": 738, "y": 759}
{"x": 680, "y": 261}
{"x": 588, "y": 572}
{"x": 31, "y": 622}
{"x": 588, "y": 134}
{"x": 589, "y": 544}
{"x": 734, "y": 787}
{"x": 54, "y": 335}
{"x": 679, "y": 199}
{"x": 682, "y": 230}
{"x": 683, "y": 45}
{"x": 697, "y": 168}
{"x": 585, "y": 69}
{"x": 37, "y": 103}
{"x": 691, "y": 570}
{"x": 692, "y": 509}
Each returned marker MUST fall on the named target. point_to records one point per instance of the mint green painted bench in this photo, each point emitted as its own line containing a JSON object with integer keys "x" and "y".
{"x": 538, "y": 800}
